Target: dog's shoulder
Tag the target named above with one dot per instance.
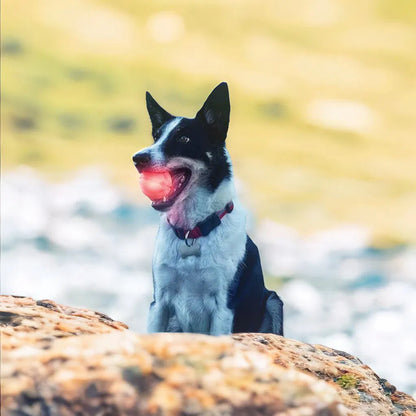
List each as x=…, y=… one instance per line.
x=247, y=292
x=249, y=273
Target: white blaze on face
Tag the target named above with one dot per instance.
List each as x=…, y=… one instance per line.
x=156, y=148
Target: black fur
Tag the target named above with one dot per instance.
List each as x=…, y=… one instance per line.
x=206, y=133
x=158, y=116
x=215, y=113
x=256, y=309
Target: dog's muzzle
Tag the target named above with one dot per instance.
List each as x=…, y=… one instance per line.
x=142, y=160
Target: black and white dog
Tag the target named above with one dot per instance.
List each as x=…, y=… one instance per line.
x=207, y=275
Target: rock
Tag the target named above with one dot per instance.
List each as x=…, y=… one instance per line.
x=59, y=360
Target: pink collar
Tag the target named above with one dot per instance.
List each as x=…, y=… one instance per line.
x=203, y=228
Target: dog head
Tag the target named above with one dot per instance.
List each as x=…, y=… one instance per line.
x=187, y=154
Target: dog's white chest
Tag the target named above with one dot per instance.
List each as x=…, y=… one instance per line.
x=190, y=249
x=194, y=281
x=202, y=268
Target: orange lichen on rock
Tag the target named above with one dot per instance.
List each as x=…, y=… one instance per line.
x=66, y=361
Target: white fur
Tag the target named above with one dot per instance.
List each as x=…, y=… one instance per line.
x=156, y=149
x=191, y=293
x=195, y=203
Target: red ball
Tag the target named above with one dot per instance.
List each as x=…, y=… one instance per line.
x=156, y=184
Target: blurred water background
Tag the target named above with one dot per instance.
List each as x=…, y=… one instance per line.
x=322, y=139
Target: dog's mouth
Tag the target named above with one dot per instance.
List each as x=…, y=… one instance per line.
x=163, y=186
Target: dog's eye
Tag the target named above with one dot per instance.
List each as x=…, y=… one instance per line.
x=183, y=139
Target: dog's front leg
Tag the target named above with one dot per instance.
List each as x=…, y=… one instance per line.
x=158, y=317
x=221, y=322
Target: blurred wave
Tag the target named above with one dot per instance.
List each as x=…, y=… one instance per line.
x=84, y=242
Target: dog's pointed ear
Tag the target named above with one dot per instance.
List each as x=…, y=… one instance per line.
x=158, y=116
x=216, y=112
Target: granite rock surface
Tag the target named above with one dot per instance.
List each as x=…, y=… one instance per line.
x=59, y=360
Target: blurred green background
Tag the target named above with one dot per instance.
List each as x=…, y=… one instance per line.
x=323, y=97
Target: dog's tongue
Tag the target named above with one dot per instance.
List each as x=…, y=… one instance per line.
x=156, y=184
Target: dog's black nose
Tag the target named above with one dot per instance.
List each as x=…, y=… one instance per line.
x=141, y=159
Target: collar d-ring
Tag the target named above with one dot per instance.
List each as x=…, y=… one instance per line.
x=186, y=239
